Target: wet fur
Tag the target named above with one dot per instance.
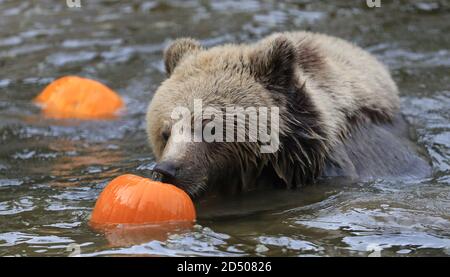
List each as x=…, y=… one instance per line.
x=338, y=107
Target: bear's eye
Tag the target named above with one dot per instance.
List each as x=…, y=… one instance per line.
x=205, y=122
x=165, y=136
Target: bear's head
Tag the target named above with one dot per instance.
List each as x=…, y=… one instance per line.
x=201, y=85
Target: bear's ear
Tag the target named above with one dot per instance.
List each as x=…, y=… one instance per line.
x=273, y=63
x=177, y=50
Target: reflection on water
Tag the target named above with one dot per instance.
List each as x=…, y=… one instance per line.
x=51, y=172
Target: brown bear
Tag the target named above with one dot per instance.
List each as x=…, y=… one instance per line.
x=338, y=114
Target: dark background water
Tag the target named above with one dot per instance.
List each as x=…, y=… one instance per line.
x=51, y=172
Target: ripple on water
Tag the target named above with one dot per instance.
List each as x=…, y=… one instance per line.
x=410, y=241
x=37, y=81
x=32, y=154
x=4, y=83
x=123, y=54
x=16, y=10
x=431, y=116
x=40, y=32
x=198, y=243
x=76, y=194
x=373, y=220
x=9, y=182
x=16, y=206
x=15, y=238
x=386, y=227
x=23, y=50
x=289, y=243
x=61, y=59
x=65, y=225
x=78, y=43
x=236, y=6
x=401, y=58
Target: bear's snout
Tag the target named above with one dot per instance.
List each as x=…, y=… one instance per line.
x=187, y=176
x=168, y=170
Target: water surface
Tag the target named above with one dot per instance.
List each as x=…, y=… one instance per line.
x=51, y=172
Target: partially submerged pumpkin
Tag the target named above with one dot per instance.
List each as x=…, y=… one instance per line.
x=130, y=199
x=81, y=98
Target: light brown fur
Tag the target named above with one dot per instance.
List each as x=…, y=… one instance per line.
x=337, y=85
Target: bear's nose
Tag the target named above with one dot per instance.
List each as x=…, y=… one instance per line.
x=167, y=169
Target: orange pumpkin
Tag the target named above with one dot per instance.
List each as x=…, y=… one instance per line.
x=81, y=98
x=130, y=199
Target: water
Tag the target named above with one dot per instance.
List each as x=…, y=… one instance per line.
x=51, y=172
